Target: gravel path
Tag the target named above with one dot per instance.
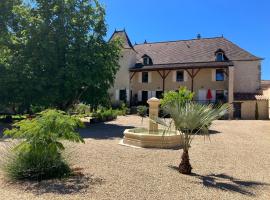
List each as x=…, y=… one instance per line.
x=234, y=165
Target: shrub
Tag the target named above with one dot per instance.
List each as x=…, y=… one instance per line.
x=181, y=96
x=142, y=111
x=104, y=114
x=81, y=109
x=39, y=154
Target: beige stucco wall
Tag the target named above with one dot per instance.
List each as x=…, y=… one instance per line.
x=247, y=76
x=248, y=109
x=203, y=80
x=127, y=60
x=266, y=93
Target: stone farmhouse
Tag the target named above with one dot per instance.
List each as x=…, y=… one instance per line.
x=215, y=69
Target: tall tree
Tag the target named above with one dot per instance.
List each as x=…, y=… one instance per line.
x=61, y=54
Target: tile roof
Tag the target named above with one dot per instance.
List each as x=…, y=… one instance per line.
x=265, y=83
x=123, y=35
x=190, y=51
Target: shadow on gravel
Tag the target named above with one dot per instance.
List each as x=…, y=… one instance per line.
x=229, y=183
x=103, y=131
x=72, y=185
x=226, y=183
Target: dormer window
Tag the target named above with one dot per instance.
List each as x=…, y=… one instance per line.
x=147, y=60
x=220, y=55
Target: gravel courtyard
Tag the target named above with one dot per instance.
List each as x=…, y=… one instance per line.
x=235, y=164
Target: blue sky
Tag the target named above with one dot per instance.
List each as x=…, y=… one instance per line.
x=244, y=22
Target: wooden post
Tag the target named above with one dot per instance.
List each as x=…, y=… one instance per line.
x=163, y=76
x=192, y=75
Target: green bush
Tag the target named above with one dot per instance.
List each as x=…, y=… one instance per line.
x=81, y=109
x=39, y=154
x=181, y=96
x=142, y=111
x=103, y=114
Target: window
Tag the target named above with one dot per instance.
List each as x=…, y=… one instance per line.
x=146, y=61
x=179, y=76
x=220, y=75
x=219, y=56
x=145, y=77
x=220, y=96
x=122, y=95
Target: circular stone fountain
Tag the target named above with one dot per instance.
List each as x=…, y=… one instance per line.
x=153, y=137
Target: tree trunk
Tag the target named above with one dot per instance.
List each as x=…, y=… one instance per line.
x=184, y=166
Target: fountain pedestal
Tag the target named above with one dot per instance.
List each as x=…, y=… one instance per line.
x=153, y=114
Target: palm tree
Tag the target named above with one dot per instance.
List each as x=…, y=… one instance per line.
x=190, y=119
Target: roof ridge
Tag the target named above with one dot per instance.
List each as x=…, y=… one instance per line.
x=179, y=40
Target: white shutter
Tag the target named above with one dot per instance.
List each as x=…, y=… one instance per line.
x=117, y=95
x=174, y=76
x=202, y=95
x=149, y=94
x=153, y=94
x=213, y=95
x=139, y=95
x=128, y=93
x=185, y=75
x=140, y=77
x=149, y=77
x=213, y=74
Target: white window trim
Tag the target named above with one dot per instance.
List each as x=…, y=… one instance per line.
x=149, y=77
x=117, y=93
x=139, y=95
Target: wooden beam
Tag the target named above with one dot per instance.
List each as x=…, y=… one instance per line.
x=167, y=74
x=189, y=73
x=159, y=73
x=132, y=75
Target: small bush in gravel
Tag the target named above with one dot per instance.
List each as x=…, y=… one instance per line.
x=104, y=114
x=142, y=111
x=39, y=152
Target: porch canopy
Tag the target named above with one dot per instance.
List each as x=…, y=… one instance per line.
x=192, y=69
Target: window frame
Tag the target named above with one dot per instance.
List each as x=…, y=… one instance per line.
x=120, y=94
x=147, y=59
x=222, y=56
x=143, y=77
x=223, y=74
x=176, y=78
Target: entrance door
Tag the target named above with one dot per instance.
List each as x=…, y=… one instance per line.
x=144, y=97
x=159, y=94
x=237, y=110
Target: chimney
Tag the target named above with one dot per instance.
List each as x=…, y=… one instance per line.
x=199, y=36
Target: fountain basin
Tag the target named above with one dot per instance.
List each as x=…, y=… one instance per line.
x=140, y=137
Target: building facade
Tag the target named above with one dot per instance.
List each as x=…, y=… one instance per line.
x=215, y=69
